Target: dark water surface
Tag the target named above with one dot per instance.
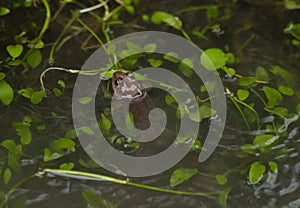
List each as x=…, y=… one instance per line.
x=261, y=23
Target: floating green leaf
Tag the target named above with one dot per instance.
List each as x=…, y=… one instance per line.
x=154, y=62
x=159, y=17
x=150, y=48
x=23, y=129
x=4, y=11
x=229, y=71
x=14, y=50
x=256, y=172
x=134, y=48
x=37, y=97
x=34, y=58
x=169, y=99
x=280, y=111
x=67, y=166
x=262, y=74
x=212, y=11
x=221, y=179
x=286, y=90
x=105, y=122
x=274, y=97
x=249, y=148
x=6, y=92
x=14, y=154
x=213, y=58
x=186, y=67
x=26, y=92
x=62, y=144
x=182, y=174
x=172, y=57
x=85, y=100
x=87, y=130
x=242, y=94
x=7, y=176
x=265, y=140
x=273, y=166
x=61, y=83
x=289, y=79
x=247, y=81
x=57, y=92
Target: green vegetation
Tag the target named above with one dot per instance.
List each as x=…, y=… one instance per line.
x=266, y=98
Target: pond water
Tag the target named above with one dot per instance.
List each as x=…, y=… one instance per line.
x=253, y=33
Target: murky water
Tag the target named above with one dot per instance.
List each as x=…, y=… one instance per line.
x=257, y=24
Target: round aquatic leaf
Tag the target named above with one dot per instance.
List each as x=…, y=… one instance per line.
x=242, y=94
x=14, y=50
x=154, y=62
x=85, y=100
x=247, y=81
x=286, y=90
x=150, y=48
x=273, y=166
x=6, y=92
x=87, y=130
x=213, y=58
x=7, y=175
x=57, y=92
x=229, y=71
x=221, y=179
x=212, y=11
x=265, y=140
x=169, y=99
x=4, y=11
x=34, y=58
x=37, y=97
x=280, y=111
x=182, y=174
x=274, y=97
x=262, y=74
x=63, y=144
x=61, y=83
x=159, y=17
x=256, y=172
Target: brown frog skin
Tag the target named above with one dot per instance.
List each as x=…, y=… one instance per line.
x=125, y=86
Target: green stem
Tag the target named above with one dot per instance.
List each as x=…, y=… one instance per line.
x=91, y=31
x=124, y=182
x=233, y=99
x=61, y=35
x=47, y=20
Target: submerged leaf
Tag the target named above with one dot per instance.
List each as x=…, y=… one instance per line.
x=182, y=174
x=274, y=97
